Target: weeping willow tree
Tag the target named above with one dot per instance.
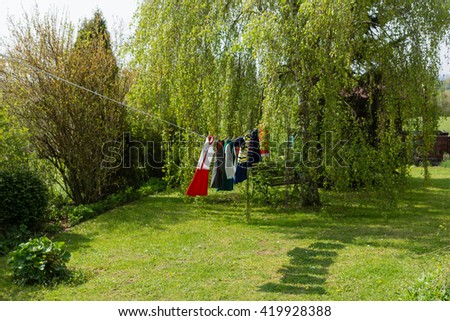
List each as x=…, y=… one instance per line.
x=391, y=97
x=193, y=73
x=363, y=73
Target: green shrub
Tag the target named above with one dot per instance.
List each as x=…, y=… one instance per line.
x=446, y=164
x=12, y=238
x=80, y=213
x=153, y=186
x=429, y=287
x=24, y=199
x=40, y=261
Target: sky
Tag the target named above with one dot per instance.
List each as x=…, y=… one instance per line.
x=118, y=13
x=445, y=61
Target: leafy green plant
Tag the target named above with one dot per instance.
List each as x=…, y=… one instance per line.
x=80, y=213
x=24, y=199
x=433, y=286
x=112, y=201
x=153, y=186
x=40, y=261
x=446, y=161
x=13, y=237
x=14, y=142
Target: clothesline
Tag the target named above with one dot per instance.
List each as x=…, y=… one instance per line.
x=232, y=160
x=208, y=151
x=99, y=95
x=224, y=182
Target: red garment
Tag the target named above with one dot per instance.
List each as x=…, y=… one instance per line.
x=264, y=141
x=199, y=183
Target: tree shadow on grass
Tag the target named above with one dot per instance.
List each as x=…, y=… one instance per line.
x=155, y=212
x=418, y=223
x=307, y=271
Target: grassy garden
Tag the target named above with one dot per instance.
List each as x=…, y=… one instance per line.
x=97, y=143
x=167, y=247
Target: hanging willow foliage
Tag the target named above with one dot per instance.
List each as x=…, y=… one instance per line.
x=193, y=72
x=364, y=74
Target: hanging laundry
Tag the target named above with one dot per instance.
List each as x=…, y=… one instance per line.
x=230, y=159
x=222, y=176
x=241, y=167
x=218, y=173
x=254, y=153
x=264, y=141
x=230, y=167
x=237, y=148
x=243, y=149
x=199, y=183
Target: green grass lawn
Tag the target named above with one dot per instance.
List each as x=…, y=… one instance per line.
x=167, y=247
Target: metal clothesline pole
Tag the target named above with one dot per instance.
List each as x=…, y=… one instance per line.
x=247, y=191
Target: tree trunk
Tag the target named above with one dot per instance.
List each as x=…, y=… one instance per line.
x=309, y=187
x=287, y=165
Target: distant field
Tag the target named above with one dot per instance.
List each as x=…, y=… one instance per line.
x=445, y=124
x=445, y=101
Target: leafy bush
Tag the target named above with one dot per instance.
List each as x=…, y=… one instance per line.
x=14, y=141
x=153, y=186
x=79, y=214
x=40, y=261
x=429, y=287
x=12, y=238
x=24, y=199
x=446, y=164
